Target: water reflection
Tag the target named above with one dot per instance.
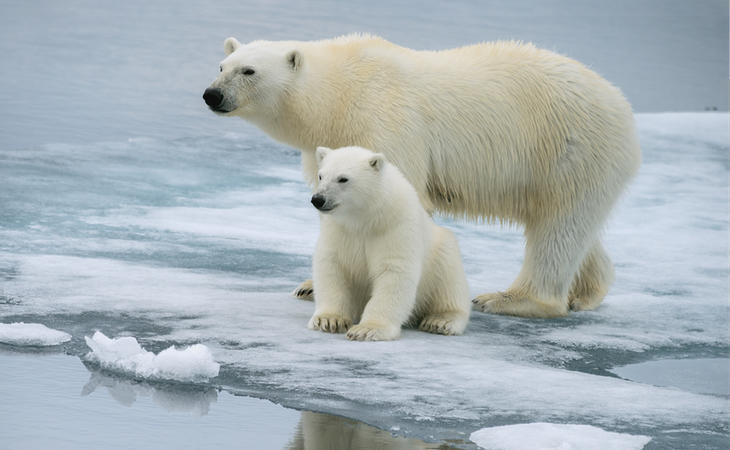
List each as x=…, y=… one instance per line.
x=324, y=431
x=196, y=400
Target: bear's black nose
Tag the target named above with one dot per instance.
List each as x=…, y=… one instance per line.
x=318, y=200
x=213, y=97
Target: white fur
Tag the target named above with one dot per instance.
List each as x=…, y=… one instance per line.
x=380, y=259
x=495, y=131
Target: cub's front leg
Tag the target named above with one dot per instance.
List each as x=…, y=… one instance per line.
x=332, y=310
x=393, y=298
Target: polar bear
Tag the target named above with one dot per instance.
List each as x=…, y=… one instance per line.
x=380, y=259
x=499, y=131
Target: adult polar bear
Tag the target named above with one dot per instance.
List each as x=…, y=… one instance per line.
x=495, y=131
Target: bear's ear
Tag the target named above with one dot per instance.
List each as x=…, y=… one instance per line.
x=230, y=45
x=376, y=161
x=294, y=59
x=321, y=153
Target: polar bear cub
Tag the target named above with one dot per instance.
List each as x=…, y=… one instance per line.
x=380, y=260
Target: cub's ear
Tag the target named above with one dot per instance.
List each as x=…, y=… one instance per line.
x=376, y=161
x=321, y=153
x=230, y=45
x=294, y=59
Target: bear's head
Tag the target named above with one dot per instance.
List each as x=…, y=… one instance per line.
x=349, y=181
x=252, y=77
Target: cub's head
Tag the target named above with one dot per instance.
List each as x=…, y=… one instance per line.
x=349, y=181
x=252, y=77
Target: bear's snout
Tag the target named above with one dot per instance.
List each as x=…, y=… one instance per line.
x=213, y=97
x=318, y=201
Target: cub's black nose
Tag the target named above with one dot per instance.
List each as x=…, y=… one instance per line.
x=318, y=200
x=213, y=97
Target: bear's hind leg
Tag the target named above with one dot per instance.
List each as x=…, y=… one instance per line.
x=553, y=253
x=592, y=281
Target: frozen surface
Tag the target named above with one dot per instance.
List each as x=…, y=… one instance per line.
x=555, y=436
x=200, y=240
x=124, y=354
x=31, y=334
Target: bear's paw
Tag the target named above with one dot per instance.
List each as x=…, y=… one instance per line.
x=513, y=304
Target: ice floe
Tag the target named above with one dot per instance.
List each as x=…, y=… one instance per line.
x=555, y=436
x=194, y=363
x=31, y=334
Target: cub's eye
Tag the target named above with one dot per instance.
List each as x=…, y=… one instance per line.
x=320, y=177
x=249, y=71
x=221, y=68
x=342, y=180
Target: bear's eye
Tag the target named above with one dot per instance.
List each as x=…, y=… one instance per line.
x=342, y=180
x=221, y=68
x=320, y=178
x=248, y=71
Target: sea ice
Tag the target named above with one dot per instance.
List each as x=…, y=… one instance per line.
x=194, y=363
x=540, y=435
x=31, y=334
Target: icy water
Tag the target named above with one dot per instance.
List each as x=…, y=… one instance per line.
x=127, y=207
x=78, y=406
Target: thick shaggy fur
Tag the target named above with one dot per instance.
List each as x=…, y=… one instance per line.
x=380, y=258
x=495, y=131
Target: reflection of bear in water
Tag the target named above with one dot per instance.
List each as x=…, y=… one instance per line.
x=496, y=131
x=380, y=259
x=318, y=431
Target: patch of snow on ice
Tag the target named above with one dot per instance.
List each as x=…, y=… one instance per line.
x=31, y=334
x=126, y=355
x=540, y=435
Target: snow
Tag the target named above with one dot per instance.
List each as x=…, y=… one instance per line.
x=546, y=436
x=193, y=363
x=31, y=334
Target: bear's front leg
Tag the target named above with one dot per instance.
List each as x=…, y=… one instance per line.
x=391, y=303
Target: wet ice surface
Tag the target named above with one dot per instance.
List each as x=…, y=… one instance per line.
x=200, y=240
x=547, y=436
x=31, y=334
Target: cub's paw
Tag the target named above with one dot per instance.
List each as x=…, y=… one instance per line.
x=304, y=291
x=448, y=323
x=373, y=332
x=330, y=323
